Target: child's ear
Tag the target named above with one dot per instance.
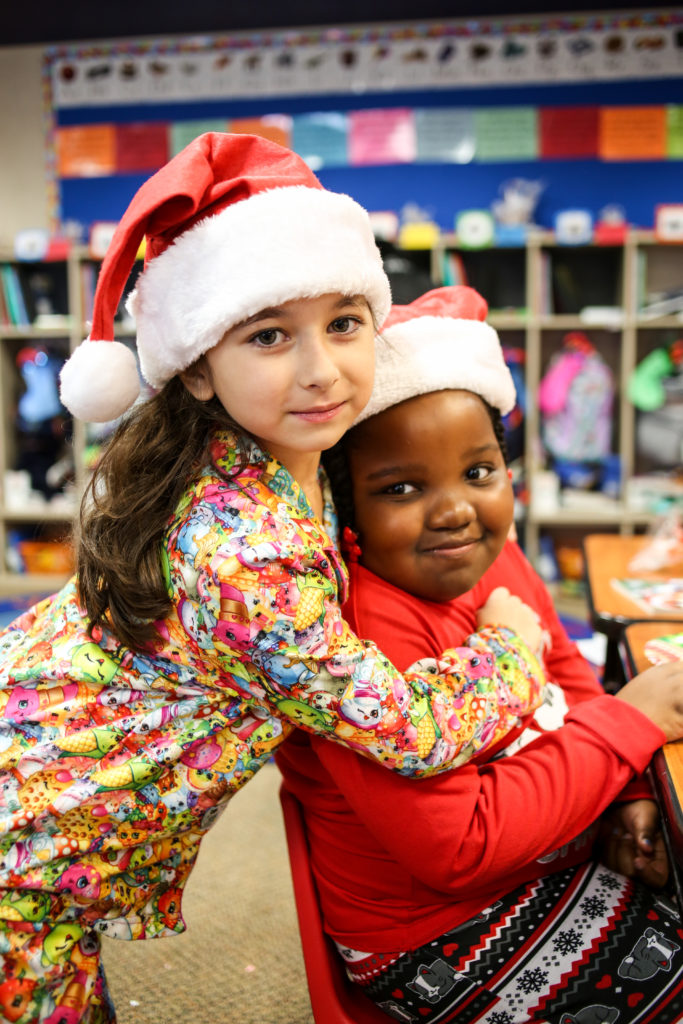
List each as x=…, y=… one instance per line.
x=197, y=380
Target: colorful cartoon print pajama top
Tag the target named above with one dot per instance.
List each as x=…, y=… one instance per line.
x=114, y=763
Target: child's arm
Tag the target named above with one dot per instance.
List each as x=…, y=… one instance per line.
x=564, y=663
x=272, y=614
x=468, y=831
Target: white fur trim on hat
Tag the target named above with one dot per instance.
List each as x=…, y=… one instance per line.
x=433, y=353
x=99, y=381
x=286, y=243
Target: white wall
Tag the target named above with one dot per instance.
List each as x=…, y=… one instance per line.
x=23, y=179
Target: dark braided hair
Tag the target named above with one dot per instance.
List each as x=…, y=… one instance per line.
x=336, y=463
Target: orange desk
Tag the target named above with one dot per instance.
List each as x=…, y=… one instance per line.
x=607, y=557
x=667, y=764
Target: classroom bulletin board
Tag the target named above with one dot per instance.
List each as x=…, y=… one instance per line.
x=432, y=114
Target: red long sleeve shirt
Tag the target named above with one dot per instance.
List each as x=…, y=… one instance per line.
x=397, y=861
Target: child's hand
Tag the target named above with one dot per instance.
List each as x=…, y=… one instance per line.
x=658, y=693
x=632, y=843
x=505, y=609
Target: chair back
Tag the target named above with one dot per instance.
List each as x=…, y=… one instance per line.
x=334, y=999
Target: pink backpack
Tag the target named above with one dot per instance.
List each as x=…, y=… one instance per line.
x=575, y=399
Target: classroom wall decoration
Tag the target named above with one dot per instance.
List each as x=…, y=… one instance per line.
x=531, y=95
x=376, y=58
x=387, y=135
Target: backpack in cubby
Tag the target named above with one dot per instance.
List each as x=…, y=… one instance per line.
x=575, y=400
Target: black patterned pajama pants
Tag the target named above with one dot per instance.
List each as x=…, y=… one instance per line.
x=584, y=946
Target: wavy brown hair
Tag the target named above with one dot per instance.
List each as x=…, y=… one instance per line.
x=145, y=467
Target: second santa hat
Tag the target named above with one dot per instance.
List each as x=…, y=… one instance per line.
x=440, y=342
x=234, y=224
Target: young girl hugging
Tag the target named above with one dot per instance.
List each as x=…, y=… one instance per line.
x=204, y=621
x=481, y=894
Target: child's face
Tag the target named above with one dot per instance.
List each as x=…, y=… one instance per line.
x=294, y=377
x=433, y=500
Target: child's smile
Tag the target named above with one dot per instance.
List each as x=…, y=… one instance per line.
x=433, y=502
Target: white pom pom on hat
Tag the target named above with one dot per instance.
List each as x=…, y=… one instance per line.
x=97, y=363
x=439, y=342
x=234, y=224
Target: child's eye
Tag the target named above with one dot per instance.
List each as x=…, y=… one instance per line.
x=344, y=324
x=400, y=488
x=267, y=338
x=479, y=473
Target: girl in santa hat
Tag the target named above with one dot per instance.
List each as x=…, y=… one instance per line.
x=479, y=894
x=204, y=620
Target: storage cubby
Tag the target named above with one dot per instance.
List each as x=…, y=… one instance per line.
x=498, y=274
x=576, y=278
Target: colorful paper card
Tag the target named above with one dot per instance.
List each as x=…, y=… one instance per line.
x=506, y=133
x=321, y=139
x=445, y=136
x=86, y=151
x=567, y=132
x=652, y=596
x=632, y=133
x=674, y=132
x=141, y=147
x=275, y=127
x=382, y=136
x=664, y=648
x=183, y=132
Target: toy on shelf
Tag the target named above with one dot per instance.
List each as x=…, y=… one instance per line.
x=42, y=424
x=573, y=227
x=647, y=384
x=656, y=390
x=611, y=226
x=514, y=212
x=417, y=228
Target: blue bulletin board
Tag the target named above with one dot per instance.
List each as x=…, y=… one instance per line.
x=604, y=126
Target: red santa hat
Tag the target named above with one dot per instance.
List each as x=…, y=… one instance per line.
x=234, y=224
x=438, y=342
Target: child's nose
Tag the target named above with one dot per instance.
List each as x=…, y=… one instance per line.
x=318, y=368
x=451, y=510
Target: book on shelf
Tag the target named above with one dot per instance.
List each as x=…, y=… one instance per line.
x=30, y=291
x=14, y=296
x=656, y=597
x=664, y=648
x=544, y=283
x=5, y=319
x=88, y=282
x=453, y=269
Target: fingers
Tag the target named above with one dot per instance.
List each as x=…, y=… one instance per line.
x=641, y=819
x=620, y=852
x=654, y=870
